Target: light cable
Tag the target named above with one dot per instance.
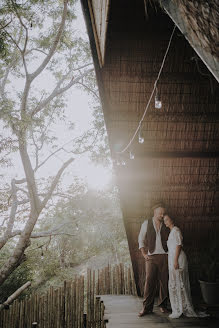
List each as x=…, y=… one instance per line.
x=152, y=93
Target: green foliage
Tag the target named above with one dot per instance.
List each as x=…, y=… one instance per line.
x=92, y=220
x=18, y=278
x=101, y=151
x=93, y=229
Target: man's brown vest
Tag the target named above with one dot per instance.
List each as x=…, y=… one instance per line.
x=150, y=238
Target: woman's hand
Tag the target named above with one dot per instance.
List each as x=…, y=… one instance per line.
x=147, y=258
x=176, y=265
x=178, y=250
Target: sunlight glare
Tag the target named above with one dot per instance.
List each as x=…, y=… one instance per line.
x=98, y=177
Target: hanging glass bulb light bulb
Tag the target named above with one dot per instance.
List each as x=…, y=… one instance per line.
x=158, y=103
x=140, y=137
x=123, y=162
x=131, y=155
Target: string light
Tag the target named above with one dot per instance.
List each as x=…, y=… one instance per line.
x=158, y=103
x=120, y=162
x=140, y=137
x=131, y=155
x=149, y=101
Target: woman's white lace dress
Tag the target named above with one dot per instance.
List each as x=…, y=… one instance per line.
x=179, y=286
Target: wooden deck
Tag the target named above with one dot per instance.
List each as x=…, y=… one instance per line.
x=121, y=311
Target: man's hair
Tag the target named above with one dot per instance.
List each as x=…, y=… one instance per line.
x=158, y=204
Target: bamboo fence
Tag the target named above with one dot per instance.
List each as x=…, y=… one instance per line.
x=75, y=305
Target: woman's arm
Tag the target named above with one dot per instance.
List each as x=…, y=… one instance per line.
x=178, y=250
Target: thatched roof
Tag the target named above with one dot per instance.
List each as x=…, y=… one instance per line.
x=179, y=160
x=202, y=16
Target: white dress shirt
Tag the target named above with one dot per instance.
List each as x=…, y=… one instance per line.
x=158, y=244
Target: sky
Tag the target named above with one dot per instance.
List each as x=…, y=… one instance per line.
x=79, y=111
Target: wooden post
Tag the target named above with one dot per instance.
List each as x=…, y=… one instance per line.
x=98, y=313
x=63, y=305
x=82, y=302
x=98, y=283
x=91, y=300
x=56, y=313
x=88, y=298
x=101, y=314
x=118, y=280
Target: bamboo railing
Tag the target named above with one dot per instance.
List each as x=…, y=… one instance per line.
x=75, y=305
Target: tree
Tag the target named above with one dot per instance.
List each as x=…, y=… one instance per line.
x=98, y=235
x=40, y=42
x=19, y=277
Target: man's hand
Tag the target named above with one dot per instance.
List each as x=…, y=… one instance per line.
x=144, y=254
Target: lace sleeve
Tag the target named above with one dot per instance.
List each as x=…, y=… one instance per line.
x=178, y=237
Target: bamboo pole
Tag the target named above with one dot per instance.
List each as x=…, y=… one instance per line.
x=82, y=302
x=88, y=298
x=101, y=314
x=67, y=307
x=74, y=303
x=64, y=305
x=92, y=299
x=77, y=302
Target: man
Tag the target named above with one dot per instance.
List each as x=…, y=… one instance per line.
x=153, y=245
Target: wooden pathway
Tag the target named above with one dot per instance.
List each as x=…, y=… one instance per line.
x=121, y=311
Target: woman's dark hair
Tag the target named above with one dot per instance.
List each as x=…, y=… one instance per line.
x=167, y=214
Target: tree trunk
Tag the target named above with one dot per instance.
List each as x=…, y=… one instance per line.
x=17, y=256
x=15, y=295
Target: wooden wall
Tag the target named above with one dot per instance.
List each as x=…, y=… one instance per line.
x=179, y=160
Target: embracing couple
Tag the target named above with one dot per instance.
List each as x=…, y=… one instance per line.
x=160, y=242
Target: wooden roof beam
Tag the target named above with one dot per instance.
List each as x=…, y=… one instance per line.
x=179, y=154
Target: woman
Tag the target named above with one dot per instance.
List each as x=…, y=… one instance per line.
x=179, y=286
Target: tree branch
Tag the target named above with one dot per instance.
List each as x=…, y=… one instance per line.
x=14, y=295
x=62, y=148
x=24, y=201
x=90, y=90
x=21, y=181
x=30, y=178
x=4, y=26
x=23, y=190
x=55, y=181
x=36, y=49
x=10, y=223
x=78, y=68
x=32, y=76
x=26, y=37
x=55, y=43
x=12, y=39
x=58, y=91
x=52, y=232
